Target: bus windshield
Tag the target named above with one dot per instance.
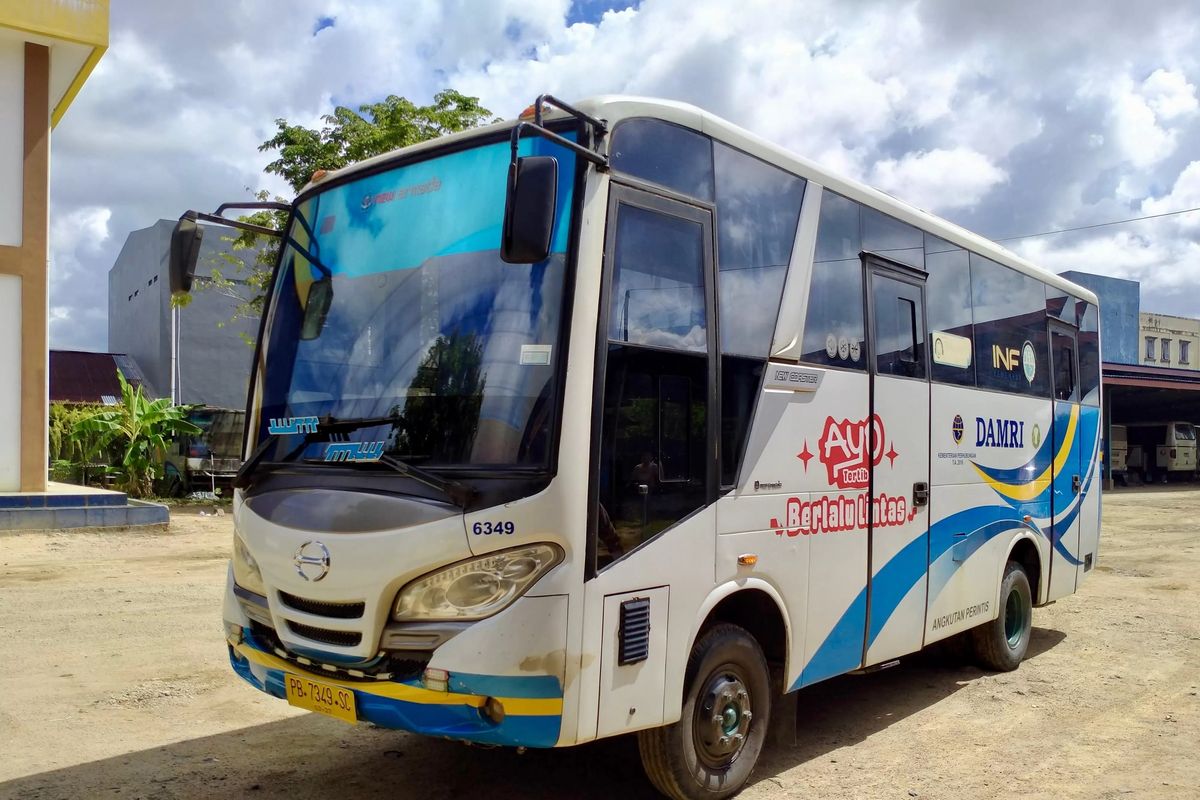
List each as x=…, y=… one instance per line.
x=393, y=308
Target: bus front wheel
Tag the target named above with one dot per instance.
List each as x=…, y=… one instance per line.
x=712, y=750
x=1001, y=644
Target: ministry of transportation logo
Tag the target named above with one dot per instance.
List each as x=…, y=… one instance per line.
x=1036, y=435
x=956, y=428
x=1028, y=361
x=312, y=560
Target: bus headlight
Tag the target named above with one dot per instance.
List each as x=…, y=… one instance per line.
x=477, y=588
x=246, y=573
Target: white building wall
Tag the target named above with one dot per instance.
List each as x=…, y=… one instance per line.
x=12, y=112
x=10, y=389
x=1182, y=338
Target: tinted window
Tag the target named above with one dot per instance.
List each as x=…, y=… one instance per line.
x=658, y=281
x=758, y=207
x=892, y=238
x=1060, y=305
x=653, y=469
x=833, y=330
x=1010, y=329
x=666, y=154
x=1062, y=355
x=899, y=324
x=1089, y=355
x=948, y=302
x=740, y=380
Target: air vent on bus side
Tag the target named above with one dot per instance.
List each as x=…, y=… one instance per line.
x=634, y=634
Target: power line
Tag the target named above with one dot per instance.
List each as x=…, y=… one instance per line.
x=1099, y=224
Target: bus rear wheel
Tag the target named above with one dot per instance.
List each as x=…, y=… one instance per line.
x=1002, y=643
x=710, y=753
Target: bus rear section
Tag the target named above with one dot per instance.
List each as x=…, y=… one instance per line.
x=738, y=427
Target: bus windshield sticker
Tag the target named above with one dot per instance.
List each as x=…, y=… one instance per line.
x=292, y=425
x=536, y=355
x=354, y=451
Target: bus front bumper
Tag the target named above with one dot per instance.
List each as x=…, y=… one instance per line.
x=532, y=708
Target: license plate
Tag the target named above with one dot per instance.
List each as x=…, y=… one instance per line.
x=320, y=697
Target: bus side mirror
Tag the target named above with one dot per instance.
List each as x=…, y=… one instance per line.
x=529, y=209
x=185, y=250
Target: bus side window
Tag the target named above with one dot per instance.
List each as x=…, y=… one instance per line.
x=947, y=302
x=1011, y=348
x=1089, y=355
x=834, y=331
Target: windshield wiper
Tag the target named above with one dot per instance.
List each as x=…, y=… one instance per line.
x=459, y=494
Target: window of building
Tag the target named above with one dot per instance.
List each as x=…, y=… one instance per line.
x=1150, y=349
x=1166, y=351
x=1184, y=346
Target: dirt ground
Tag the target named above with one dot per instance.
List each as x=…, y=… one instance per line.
x=117, y=685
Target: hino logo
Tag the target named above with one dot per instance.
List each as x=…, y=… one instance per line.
x=312, y=561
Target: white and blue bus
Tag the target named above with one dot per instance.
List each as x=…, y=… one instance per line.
x=620, y=419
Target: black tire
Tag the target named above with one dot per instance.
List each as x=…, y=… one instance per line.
x=700, y=757
x=1001, y=644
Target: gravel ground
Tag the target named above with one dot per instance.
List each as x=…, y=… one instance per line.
x=118, y=686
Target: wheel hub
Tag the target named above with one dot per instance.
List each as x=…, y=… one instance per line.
x=1014, y=618
x=723, y=716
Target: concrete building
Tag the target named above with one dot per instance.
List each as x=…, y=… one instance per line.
x=1170, y=341
x=214, y=357
x=47, y=50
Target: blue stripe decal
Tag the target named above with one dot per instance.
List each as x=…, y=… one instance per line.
x=895, y=580
x=527, y=686
x=842, y=649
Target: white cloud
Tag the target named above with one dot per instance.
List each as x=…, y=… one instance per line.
x=1169, y=94
x=939, y=180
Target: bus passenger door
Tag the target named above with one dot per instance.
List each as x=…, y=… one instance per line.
x=654, y=470
x=899, y=532
x=1067, y=465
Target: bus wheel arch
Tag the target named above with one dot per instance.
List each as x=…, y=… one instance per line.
x=1024, y=551
x=756, y=607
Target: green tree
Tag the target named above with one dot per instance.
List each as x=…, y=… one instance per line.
x=139, y=429
x=346, y=137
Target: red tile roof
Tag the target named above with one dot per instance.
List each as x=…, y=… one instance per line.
x=82, y=377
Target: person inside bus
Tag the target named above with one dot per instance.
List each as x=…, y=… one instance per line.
x=646, y=473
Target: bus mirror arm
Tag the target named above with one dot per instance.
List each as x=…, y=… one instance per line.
x=188, y=235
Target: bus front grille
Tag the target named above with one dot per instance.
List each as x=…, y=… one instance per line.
x=324, y=635
x=323, y=608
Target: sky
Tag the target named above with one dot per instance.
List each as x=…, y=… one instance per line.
x=1007, y=118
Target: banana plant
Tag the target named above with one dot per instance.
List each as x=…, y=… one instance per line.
x=139, y=428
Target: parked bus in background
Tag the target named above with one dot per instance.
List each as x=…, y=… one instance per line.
x=209, y=461
x=1162, y=451
x=620, y=419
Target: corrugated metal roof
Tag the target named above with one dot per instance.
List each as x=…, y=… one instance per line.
x=82, y=377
